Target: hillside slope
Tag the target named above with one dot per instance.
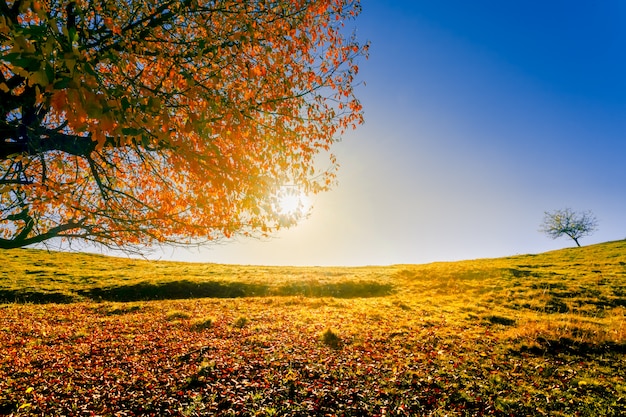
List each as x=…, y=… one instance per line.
x=525, y=335
x=597, y=271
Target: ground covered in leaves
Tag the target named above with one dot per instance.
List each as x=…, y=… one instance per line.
x=287, y=356
x=529, y=335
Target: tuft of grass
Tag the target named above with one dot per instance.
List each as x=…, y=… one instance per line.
x=505, y=321
x=174, y=315
x=240, y=322
x=331, y=339
x=80, y=334
x=202, y=324
x=119, y=308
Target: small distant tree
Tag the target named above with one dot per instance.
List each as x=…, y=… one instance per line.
x=569, y=223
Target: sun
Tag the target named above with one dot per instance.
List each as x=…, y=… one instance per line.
x=293, y=203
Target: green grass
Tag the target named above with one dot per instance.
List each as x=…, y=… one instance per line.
x=39, y=277
x=540, y=334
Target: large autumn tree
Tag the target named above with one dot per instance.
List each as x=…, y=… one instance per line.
x=136, y=122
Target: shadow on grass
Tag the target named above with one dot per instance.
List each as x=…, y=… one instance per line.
x=145, y=291
x=36, y=297
x=565, y=345
x=173, y=290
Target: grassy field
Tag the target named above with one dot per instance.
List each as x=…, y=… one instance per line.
x=529, y=335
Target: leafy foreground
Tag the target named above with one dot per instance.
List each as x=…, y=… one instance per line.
x=526, y=335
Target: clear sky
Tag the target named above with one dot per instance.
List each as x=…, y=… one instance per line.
x=480, y=115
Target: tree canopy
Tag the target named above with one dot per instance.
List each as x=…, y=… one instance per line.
x=136, y=122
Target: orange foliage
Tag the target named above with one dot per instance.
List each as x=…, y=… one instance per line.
x=140, y=122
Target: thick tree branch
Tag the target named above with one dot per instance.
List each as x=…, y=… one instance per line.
x=21, y=240
x=46, y=140
x=29, y=223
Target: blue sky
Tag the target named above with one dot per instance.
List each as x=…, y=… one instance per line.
x=479, y=116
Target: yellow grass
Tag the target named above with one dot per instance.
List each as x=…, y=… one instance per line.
x=522, y=335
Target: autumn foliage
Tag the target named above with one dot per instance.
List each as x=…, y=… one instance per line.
x=130, y=123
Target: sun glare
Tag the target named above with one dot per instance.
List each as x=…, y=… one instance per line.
x=293, y=203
